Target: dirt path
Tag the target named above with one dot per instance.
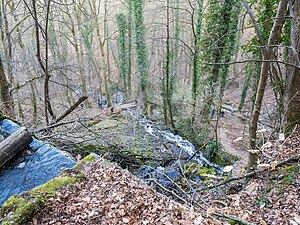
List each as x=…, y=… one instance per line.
x=231, y=128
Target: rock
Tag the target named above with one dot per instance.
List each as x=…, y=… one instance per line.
x=106, y=124
x=21, y=165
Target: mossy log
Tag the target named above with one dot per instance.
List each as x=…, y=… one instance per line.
x=13, y=144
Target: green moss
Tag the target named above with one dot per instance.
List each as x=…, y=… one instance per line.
x=50, y=188
x=192, y=169
x=22, y=210
x=289, y=168
x=88, y=159
x=90, y=148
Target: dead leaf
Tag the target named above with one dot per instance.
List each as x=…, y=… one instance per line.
x=211, y=210
x=226, y=210
x=198, y=220
x=227, y=169
x=34, y=221
x=252, y=186
x=281, y=137
x=125, y=220
x=293, y=222
x=263, y=166
x=262, y=222
x=245, y=216
x=296, y=218
x=274, y=164
x=261, y=131
x=253, y=151
x=241, y=172
x=267, y=145
x=238, y=139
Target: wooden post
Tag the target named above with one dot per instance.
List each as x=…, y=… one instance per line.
x=13, y=144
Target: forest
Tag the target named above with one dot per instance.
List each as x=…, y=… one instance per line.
x=199, y=99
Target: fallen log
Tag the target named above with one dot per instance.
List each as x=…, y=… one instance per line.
x=13, y=144
x=71, y=109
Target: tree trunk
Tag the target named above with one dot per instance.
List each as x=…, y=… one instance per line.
x=13, y=144
x=129, y=49
x=293, y=106
x=6, y=98
x=44, y=67
x=264, y=74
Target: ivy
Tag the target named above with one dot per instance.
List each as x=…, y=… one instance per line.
x=122, y=49
x=141, y=48
x=219, y=42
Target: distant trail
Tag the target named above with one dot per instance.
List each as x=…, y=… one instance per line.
x=231, y=128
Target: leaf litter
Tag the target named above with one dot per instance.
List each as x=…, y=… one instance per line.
x=112, y=195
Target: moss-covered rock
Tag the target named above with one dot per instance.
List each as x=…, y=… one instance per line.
x=87, y=149
x=86, y=161
x=105, y=124
x=18, y=209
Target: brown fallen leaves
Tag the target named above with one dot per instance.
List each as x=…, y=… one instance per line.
x=273, y=197
x=290, y=147
x=113, y=196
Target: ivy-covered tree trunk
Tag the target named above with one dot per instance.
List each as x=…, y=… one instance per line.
x=141, y=50
x=221, y=33
x=122, y=50
x=6, y=80
x=293, y=106
x=129, y=50
x=6, y=98
x=196, y=61
x=168, y=79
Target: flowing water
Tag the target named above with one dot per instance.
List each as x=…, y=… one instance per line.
x=40, y=164
x=181, y=149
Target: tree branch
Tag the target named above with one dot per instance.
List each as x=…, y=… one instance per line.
x=71, y=109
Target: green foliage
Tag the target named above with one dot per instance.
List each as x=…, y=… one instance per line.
x=123, y=48
x=220, y=36
x=141, y=47
x=212, y=148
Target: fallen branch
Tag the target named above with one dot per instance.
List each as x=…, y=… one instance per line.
x=71, y=109
x=251, y=174
x=199, y=150
x=236, y=219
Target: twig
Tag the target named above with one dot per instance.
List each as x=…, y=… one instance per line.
x=199, y=150
x=251, y=174
x=237, y=219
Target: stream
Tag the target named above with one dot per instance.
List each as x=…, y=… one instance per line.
x=35, y=166
x=182, y=149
